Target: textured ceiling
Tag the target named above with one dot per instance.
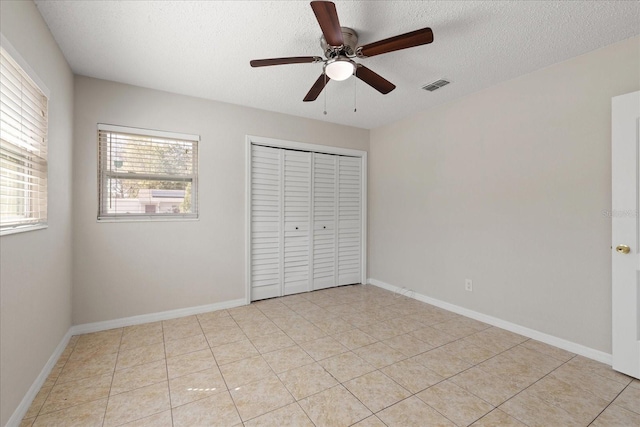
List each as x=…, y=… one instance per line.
x=203, y=48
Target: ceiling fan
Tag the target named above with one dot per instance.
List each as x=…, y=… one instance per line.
x=339, y=45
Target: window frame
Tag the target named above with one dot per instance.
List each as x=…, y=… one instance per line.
x=146, y=217
x=27, y=225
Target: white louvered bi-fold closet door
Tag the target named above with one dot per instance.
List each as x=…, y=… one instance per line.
x=325, y=194
x=266, y=222
x=306, y=221
x=297, y=219
x=349, y=220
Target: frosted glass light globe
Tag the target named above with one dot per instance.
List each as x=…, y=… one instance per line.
x=339, y=69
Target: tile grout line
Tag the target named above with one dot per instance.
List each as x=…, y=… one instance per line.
x=148, y=385
x=133, y=367
x=611, y=403
x=70, y=381
x=296, y=344
x=242, y=421
x=113, y=374
x=532, y=384
x=219, y=370
x=588, y=391
x=55, y=382
x=166, y=367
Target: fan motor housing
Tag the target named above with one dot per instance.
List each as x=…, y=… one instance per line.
x=350, y=37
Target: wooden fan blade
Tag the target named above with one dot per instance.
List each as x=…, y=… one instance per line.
x=282, y=61
x=374, y=80
x=403, y=41
x=316, y=89
x=327, y=17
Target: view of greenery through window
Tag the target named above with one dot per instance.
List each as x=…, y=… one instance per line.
x=146, y=175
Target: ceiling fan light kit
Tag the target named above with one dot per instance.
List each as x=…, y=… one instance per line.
x=340, y=68
x=339, y=47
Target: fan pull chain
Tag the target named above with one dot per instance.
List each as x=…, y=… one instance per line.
x=325, y=93
x=355, y=93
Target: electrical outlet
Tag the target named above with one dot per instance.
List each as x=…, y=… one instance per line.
x=468, y=285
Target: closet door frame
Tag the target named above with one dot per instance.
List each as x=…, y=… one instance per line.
x=316, y=148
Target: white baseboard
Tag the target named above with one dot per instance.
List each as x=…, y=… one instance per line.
x=570, y=346
x=154, y=317
x=24, y=405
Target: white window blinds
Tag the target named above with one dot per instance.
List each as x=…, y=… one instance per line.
x=23, y=149
x=145, y=174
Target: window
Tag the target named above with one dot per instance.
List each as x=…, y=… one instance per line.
x=23, y=146
x=146, y=174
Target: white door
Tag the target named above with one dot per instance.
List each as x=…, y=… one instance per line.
x=349, y=220
x=325, y=167
x=626, y=234
x=297, y=221
x=305, y=221
x=266, y=227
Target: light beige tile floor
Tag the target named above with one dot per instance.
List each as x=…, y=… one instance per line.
x=353, y=355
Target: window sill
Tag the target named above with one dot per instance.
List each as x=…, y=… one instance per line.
x=22, y=229
x=147, y=219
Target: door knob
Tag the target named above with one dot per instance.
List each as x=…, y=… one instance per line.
x=623, y=249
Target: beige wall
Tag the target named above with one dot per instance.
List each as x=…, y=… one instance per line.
x=127, y=269
x=507, y=187
x=35, y=302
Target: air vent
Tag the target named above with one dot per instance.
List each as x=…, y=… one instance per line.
x=435, y=85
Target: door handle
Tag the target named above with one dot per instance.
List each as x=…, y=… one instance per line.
x=623, y=249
